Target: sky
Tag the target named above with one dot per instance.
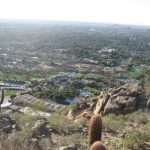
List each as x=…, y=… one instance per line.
x=105, y=11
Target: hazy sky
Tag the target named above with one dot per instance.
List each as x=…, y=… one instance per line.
x=113, y=11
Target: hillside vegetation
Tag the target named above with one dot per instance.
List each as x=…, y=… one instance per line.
x=56, y=75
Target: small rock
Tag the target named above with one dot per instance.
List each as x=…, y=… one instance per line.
x=85, y=130
x=123, y=135
x=14, y=126
x=70, y=115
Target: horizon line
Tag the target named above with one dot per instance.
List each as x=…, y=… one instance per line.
x=69, y=21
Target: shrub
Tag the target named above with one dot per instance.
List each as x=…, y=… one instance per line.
x=135, y=140
x=22, y=119
x=93, y=90
x=25, y=134
x=65, y=110
x=59, y=123
x=146, y=128
x=39, y=106
x=78, y=139
x=13, y=142
x=114, y=122
x=38, y=94
x=138, y=117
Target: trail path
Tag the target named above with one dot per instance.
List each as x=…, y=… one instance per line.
x=5, y=103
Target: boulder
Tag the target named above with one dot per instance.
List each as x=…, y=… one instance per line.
x=129, y=110
x=102, y=103
x=121, y=100
x=6, y=123
x=82, y=105
x=112, y=107
x=126, y=101
x=29, y=100
x=40, y=129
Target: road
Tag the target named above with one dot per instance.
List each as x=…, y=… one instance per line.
x=5, y=103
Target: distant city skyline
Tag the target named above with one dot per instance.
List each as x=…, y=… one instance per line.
x=101, y=11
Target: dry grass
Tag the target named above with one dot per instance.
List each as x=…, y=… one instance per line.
x=136, y=126
x=74, y=139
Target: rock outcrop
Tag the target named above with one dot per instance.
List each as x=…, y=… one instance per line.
x=82, y=105
x=120, y=101
x=39, y=129
x=7, y=124
x=28, y=100
x=32, y=112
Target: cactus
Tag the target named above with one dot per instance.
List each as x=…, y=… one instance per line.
x=95, y=133
x=2, y=99
x=97, y=146
x=95, y=129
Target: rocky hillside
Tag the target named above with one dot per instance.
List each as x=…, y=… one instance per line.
x=34, y=124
